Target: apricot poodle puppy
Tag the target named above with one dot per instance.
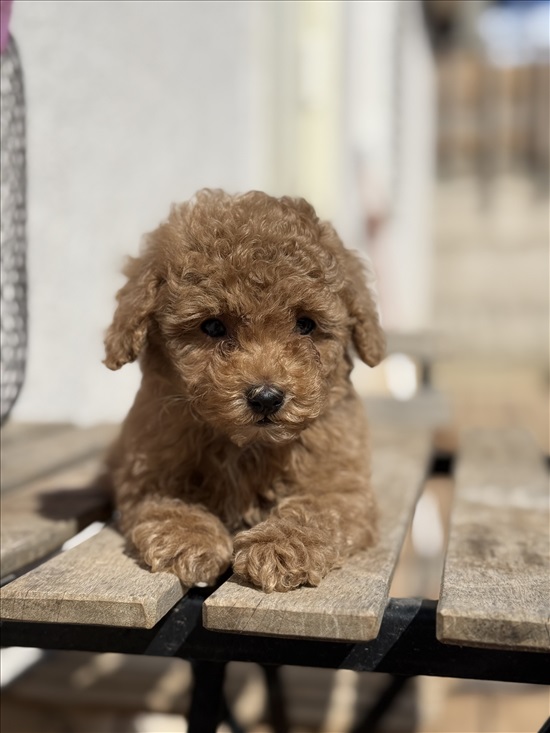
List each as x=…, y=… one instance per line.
x=246, y=441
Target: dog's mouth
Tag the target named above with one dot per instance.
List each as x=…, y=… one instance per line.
x=265, y=421
x=266, y=430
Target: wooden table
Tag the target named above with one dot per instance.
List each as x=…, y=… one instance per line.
x=491, y=620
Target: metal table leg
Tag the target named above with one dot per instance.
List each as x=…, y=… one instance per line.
x=207, y=705
x=369, y=724
x=275, y=699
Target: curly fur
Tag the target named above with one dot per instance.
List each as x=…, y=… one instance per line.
x=197, y=478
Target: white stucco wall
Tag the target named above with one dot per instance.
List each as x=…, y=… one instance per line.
x=135, y=104
x=131, y=105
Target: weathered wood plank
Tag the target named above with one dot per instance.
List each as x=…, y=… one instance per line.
x=496, y=580
x=422, y=345
x=428, y=409
x=40, y=453
x=39, y=518
x=97, y=582
x=349, y=603
x=15, y=432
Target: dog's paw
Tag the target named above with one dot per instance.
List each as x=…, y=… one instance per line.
x=278, y=557
x=197, y=555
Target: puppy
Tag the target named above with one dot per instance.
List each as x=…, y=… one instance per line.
x=246, y=441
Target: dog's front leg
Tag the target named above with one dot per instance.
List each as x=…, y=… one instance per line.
x=185, y=539
x=304, y=538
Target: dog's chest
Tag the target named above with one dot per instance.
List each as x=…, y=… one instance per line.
x=241, y=487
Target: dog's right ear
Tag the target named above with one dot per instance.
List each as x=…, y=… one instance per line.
x=126, y=335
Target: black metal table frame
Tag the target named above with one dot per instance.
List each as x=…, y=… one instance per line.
x=406, y=646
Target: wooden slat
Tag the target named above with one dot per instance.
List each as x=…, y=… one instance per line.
x=97, y=582
x=39, y=518
x=15, y=432
x=349, y=603
x=14, y=437
x=40, y=453
x=422, y=345
x=427, y=409
x=496, y=580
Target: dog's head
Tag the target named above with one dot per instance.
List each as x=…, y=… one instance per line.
x=250, y=304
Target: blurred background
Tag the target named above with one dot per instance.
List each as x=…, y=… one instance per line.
x=421, y=129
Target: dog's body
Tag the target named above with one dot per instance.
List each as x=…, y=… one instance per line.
x=242, y=310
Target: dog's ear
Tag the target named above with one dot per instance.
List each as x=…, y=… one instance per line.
x=366, y=331
x=126, y=335
x=367, y=334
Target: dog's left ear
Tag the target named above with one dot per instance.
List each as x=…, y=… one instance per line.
x=366, y=331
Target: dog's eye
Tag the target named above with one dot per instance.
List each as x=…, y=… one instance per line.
x=213, y=327
x=305, y=325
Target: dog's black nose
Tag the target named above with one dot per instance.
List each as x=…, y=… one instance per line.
x=265, y=399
